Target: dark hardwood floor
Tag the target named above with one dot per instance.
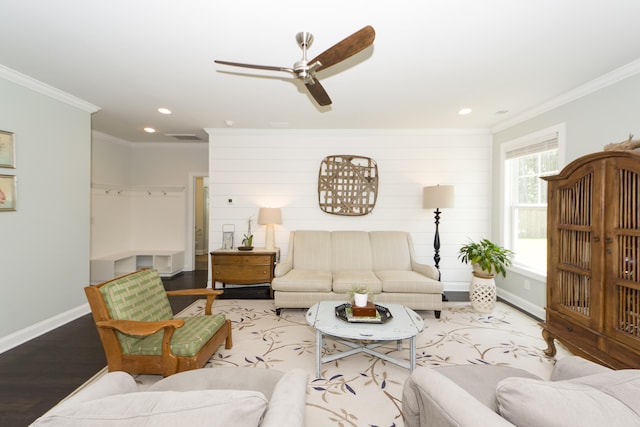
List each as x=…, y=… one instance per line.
x=36, y=375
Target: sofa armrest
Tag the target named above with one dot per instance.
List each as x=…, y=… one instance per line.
x=287, y=403
x=211, y=295
x=431, y=399
x=282, y=269
x=427, y=270
x=142, y=329
x=571, y=367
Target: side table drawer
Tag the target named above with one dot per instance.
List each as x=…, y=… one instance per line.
x=256, y=260
x=227, y=260
x=242, y=274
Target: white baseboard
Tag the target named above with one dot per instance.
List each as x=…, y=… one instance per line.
x=522, y=303
x=456, y=286
x=20, y=337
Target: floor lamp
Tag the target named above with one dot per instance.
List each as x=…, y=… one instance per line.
x=438, y=196
x=269, y=217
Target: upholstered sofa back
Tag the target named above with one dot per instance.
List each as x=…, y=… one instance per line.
x=351, y=250
x=311, y=250
x=140, y=296
x=392, y=250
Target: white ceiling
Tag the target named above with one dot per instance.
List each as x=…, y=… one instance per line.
x=430, y=58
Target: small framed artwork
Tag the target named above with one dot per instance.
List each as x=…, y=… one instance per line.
x=7, y=150
x=7, y=193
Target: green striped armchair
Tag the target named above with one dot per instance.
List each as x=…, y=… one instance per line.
x=139, y=332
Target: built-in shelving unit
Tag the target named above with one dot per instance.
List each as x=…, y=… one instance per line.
x=167, y=262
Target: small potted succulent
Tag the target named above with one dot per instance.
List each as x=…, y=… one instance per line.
x=359, y=294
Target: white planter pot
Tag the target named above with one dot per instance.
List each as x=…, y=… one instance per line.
x=483, y=293
x=360, y=300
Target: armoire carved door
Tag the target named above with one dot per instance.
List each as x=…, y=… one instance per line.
x=593, y=237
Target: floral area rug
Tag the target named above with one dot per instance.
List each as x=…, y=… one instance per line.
x=362, y=390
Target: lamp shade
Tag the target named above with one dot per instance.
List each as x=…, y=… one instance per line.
x=269, y=216
x=438, y=196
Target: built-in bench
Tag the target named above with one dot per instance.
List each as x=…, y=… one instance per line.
x=167, y=262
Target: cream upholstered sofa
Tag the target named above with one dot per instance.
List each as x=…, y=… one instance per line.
x=239, y=397
x=326, y=265
x=579, y=393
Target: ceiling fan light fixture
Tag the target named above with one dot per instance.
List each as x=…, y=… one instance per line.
x=305, y=70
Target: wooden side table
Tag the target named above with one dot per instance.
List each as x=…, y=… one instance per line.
x=231, y=266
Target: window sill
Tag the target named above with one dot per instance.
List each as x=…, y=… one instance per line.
x=540, y=276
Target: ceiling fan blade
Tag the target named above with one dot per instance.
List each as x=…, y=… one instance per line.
x=257, y=67
x=353, y=44
x=317, y=91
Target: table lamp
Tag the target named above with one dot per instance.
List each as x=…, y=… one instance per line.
x=269, y=217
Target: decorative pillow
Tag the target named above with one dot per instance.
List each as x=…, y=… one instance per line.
x=159, y=409
x=526, y=402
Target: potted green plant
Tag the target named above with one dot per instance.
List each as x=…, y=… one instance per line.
x=486, y=257
x=487, y=260
x=247, y=241
x=359, y=294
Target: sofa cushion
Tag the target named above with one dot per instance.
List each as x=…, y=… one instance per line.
x=312, y=250
x=402, y=281
x=350, y=250
x=344, y=281
x=390, y=250
x=526, y=402
x=139, y=296
x=169, y=408
x=304, y=281
x=186, y=341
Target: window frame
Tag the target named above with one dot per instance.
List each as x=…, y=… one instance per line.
x=506, y=231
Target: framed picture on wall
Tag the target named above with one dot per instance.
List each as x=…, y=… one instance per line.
x=7, y=150
x=7, y=193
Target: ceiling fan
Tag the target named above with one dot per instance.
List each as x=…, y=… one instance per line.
x=305, y=70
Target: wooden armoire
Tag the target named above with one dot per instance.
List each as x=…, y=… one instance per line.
x=593, y=277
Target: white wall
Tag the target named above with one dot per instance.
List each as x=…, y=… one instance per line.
x=279, y=168
x=607, y=115
x=44, y=250
x=141, y=193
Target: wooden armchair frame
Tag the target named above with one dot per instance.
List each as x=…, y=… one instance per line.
x=167, y=363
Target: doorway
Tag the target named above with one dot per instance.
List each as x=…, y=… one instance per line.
x=201, y=223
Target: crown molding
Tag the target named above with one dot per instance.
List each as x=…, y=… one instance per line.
x=43, y=88
x=608, y=79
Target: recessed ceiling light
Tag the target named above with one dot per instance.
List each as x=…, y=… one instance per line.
x=501, y=112
x=163, y=110
x=465, y=111
x=149, y=130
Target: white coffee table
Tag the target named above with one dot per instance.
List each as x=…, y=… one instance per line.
x=406, y=324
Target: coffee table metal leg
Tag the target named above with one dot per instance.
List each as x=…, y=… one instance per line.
x=318, y=352
x=412, y=353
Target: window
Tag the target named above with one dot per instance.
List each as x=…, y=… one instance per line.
x=524, y=162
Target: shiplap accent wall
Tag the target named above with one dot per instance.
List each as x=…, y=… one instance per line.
x=279, y=168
